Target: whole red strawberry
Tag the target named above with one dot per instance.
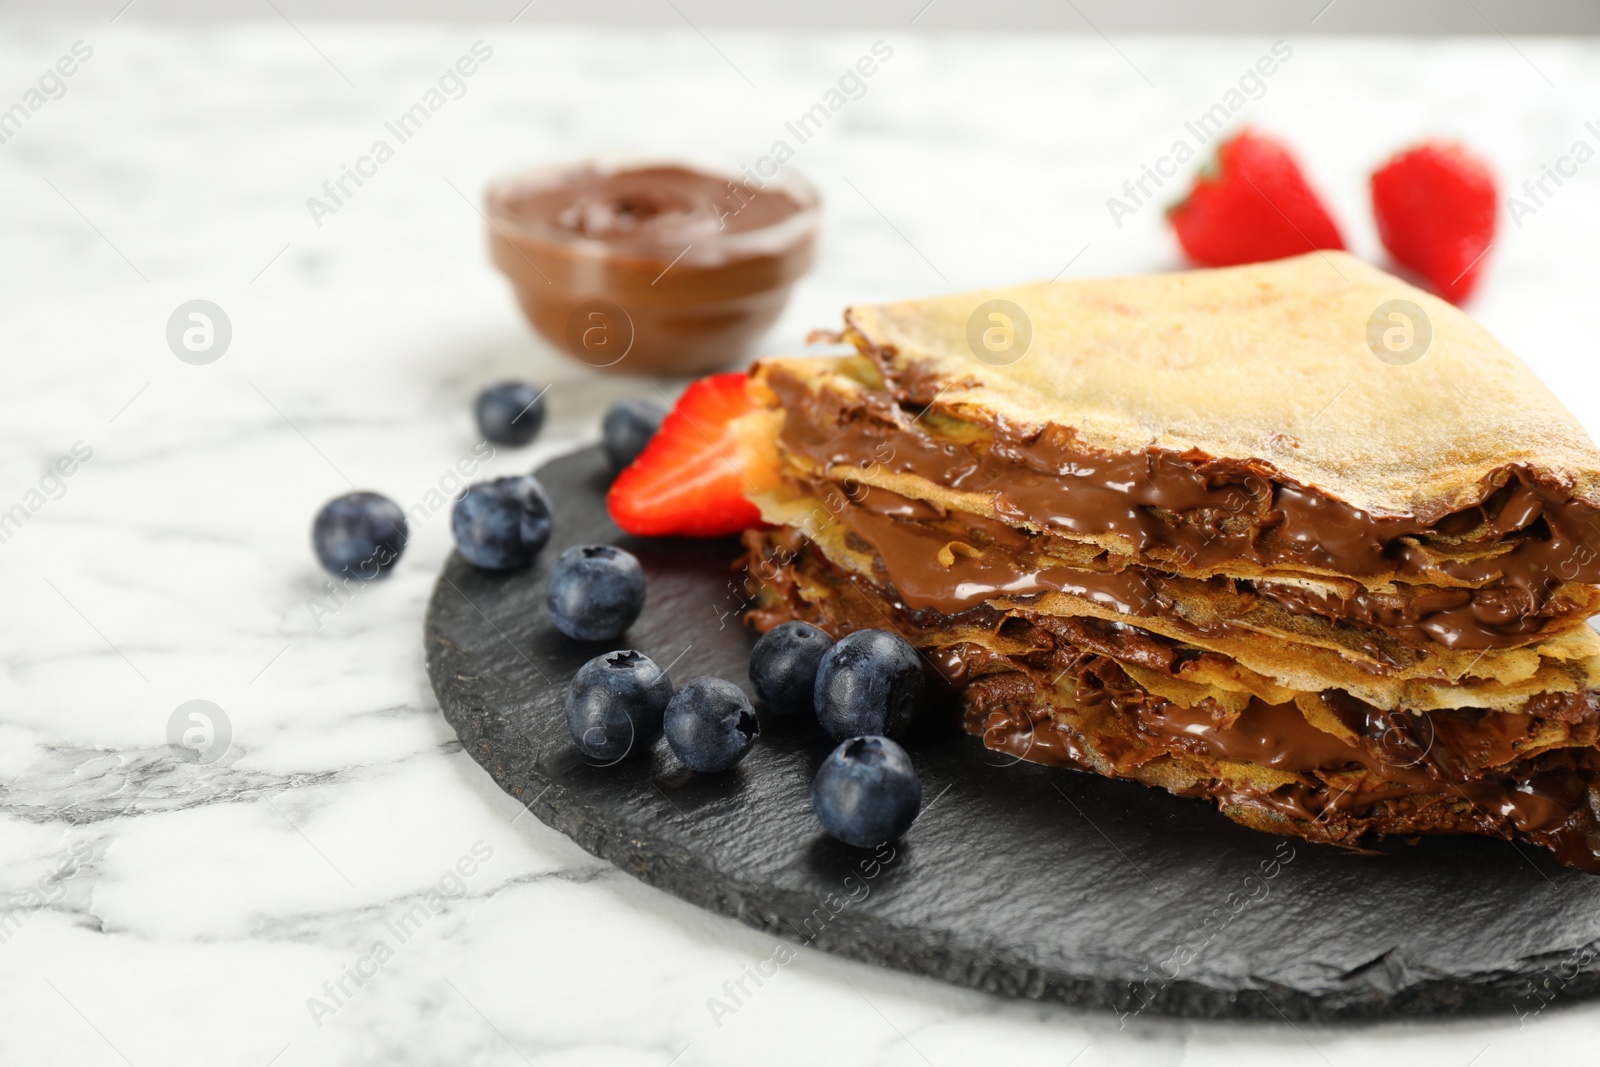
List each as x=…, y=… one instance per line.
x=1250, y=204
x=1435, y=205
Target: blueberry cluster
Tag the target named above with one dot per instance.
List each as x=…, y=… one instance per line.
x=361, y=535
x=860, y=689
x=863, y=689
x=501, y=524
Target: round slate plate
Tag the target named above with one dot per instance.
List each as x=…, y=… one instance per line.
x=1020, y=880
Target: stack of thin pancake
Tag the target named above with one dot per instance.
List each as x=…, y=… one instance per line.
x=1199, y=535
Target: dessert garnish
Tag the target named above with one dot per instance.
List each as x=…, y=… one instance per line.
x=595, y=592
x=510, y=413
x=502, y=524
x=866, y=792
x=615, y=704
x=1252, y=203
x=710, y=725
x=869, y=682
x=1436, y=206
x=359, y=535
x=691, y=479
x=627, y=427
x=783, y=667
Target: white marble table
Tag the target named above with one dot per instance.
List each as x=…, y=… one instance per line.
x=164, y=912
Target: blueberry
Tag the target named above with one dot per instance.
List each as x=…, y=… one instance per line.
x=595, y=592
x=868, y=683
x=359, y=534
x=866, y=792
x=783, y=667
x=502, y=524
x=710, y=724
x=510, y=413
x=627, y=428
x=615, y=704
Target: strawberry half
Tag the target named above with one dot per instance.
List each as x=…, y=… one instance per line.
x=1435, y=206
x=1250, y=204
x=691, y=479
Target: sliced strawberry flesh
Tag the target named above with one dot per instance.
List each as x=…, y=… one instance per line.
x=690, y=480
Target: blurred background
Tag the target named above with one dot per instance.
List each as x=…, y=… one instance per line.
x=1153, y=16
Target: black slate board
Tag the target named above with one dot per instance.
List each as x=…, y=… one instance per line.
x=1020, y=880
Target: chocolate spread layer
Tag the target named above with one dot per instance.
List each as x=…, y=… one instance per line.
x=1189, y=510
x=1458, y=771
x=1496, y=617
x=953, y=561
x=1425, y=773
